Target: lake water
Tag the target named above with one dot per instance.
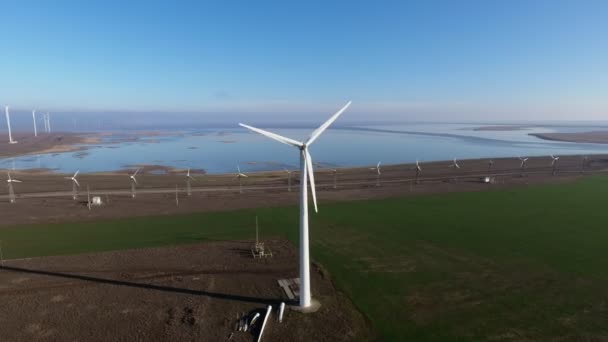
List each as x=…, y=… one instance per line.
x=220, y=150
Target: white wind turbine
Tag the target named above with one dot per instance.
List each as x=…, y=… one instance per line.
x=189, y=178
x=335, y=171
x=133, y=183
x=288, y=179
x=522, y=166
x=378, y=173
x=48, y=120
x=454, y=164
x=418, y=170
x=11, y=192
x=34, y=119
x=8, y=124
x=75, y=184
x=554, y=161
x=240, y=176
x=306, y=174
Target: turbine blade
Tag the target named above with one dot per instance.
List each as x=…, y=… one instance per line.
x=274, y=136
x=311, y=178
x=76, y=174
x=16, y=181
x=77, y=184
x=326, y=124
x=134, y=180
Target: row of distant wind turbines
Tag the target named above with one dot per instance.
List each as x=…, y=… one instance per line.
x=240, y=175
x=47, y=123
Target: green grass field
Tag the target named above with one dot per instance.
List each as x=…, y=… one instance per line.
x=524, y=264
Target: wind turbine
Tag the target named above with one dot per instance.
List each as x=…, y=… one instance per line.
x=524, y=161
x=8, y=124
x=48, y=119
x=75, y=185
x=454, y=164
x=133, y=183
x=418, y=170
x=288, y=179
x=378, y=173
x=188, y=179
x=335, y=171
x=554, y=161
x=11, y=192
x=490, y=165
x=88, y=198
x=584, y=163
x=34, y=118
x=306, y=174
x=240, y=175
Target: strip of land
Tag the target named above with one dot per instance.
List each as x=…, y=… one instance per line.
x=594, y=137
x=47, y=143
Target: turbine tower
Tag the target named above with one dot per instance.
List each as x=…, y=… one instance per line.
x=490, y=165
x=522, y=167
x=378, y=173
x=34, y=118
x=306, y=174
x=335, y=171
x=133, y=183
x=418, y=170
x=8, y=124
x=288, y=179
x=188, y=179
x=11, y=192
x=554, y=161
x=75, y=185
x=240, y=175
x=48, y=119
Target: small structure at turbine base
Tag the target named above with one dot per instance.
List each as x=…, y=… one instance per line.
x=96, y=201
x=258, y=250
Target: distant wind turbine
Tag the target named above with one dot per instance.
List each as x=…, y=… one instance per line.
x=554, y=161
x=34, y=119
x=418, y=170
x=306, y=174
x=133, y=183
x=584, y=163
x=335, y=171
x=522, y=166
x=240, y=176
x=288, y=179
x=378, y=173
x=188, y=186
x=75, y=184
x=8, y=124
x=11, y=192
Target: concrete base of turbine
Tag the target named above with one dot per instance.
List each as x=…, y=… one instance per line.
x=314, y=306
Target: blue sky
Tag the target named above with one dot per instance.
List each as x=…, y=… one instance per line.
x=443, y=60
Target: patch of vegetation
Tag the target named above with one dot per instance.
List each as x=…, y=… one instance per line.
x=522, y=264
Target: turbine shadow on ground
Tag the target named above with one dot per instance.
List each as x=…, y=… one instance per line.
x=223, y=296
